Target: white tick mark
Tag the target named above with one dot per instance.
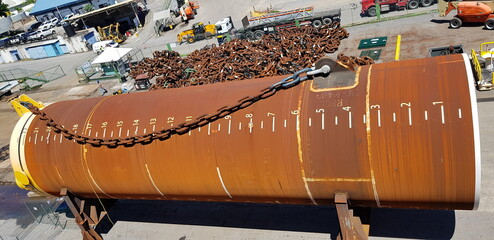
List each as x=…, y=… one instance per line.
x=379, y=117
x=322, y=121
x=459, y=112
x=442, y=114
x=349, y=119
x=272, y=128
x=229, y=126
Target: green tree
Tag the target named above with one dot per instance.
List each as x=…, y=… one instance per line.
x=88, y=8
x=4, y=9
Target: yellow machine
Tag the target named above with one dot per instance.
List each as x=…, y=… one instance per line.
x=484, y=75
x=20, y=104
x=198, y=32
x=111, y=32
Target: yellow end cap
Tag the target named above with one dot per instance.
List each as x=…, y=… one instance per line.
x=21, y=179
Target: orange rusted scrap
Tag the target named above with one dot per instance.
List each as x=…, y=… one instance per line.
x=398, y=134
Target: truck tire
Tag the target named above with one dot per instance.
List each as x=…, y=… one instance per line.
x=371, y=12
x=249, y=35
x=455, y=23
x=426, y=3
x=413, y=4
x=317, y=23
x=191, y=40
x=258, y=34
x=489, y=24
x=327, y=21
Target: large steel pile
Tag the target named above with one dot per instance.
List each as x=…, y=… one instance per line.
x=275, y=54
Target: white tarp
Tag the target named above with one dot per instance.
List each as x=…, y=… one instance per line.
x=161, y=15
x=111, y=55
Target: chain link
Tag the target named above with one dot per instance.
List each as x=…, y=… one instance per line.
x=200, y=121
x=180, y=129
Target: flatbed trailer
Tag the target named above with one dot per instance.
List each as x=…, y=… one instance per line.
x=255, y=27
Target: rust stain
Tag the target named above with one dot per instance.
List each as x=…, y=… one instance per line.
x=336, y=142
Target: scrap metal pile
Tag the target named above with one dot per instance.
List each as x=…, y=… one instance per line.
x=275, y=54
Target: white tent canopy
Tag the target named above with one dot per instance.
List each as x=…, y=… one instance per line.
x=111, y=55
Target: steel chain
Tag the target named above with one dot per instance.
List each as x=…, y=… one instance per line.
x=179, y=129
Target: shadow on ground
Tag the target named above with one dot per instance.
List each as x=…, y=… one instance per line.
x=399, y=223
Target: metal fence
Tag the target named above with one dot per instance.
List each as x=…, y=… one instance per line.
x=46, y=75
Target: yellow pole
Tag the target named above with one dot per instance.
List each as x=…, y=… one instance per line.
x=398, y=43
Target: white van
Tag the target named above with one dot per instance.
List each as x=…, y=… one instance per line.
x=99, y=47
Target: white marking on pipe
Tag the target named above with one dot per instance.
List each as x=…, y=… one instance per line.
x=251, y=125
x=284, y=123
x=335, y=120
x=410, y=116
x=128, y=132
x=364, y=119
x=199, y=129
x=426, y=115
x=61, y=138
x=209, y=128
x=379, y=117
x=137, y=130
x=219, y=127
x=240, y=126
x=154, y=128
x=119, y=132
x=111, y=134
x=222, y=183
x=459, y=112
x=42, y=138
x=262, y=124
x=104, y=132
x=89, y=133
x=310, y=122
x=394, y=117
x=272, y=128
x=442, y=114
x=190, y=132
x=152, y=181
x=298, y=123
x=48, y=138
x=29, y=139
x=54, y=137
x=35, y=138
x=322, y=121
x=96, y=134
x=145, y=131
x=229, y=126
x=349, y=119
x=91, y=175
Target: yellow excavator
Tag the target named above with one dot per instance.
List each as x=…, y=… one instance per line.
x=198, y=32
x=111, y=32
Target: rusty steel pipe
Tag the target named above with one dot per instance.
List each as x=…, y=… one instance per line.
x=399, y=134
